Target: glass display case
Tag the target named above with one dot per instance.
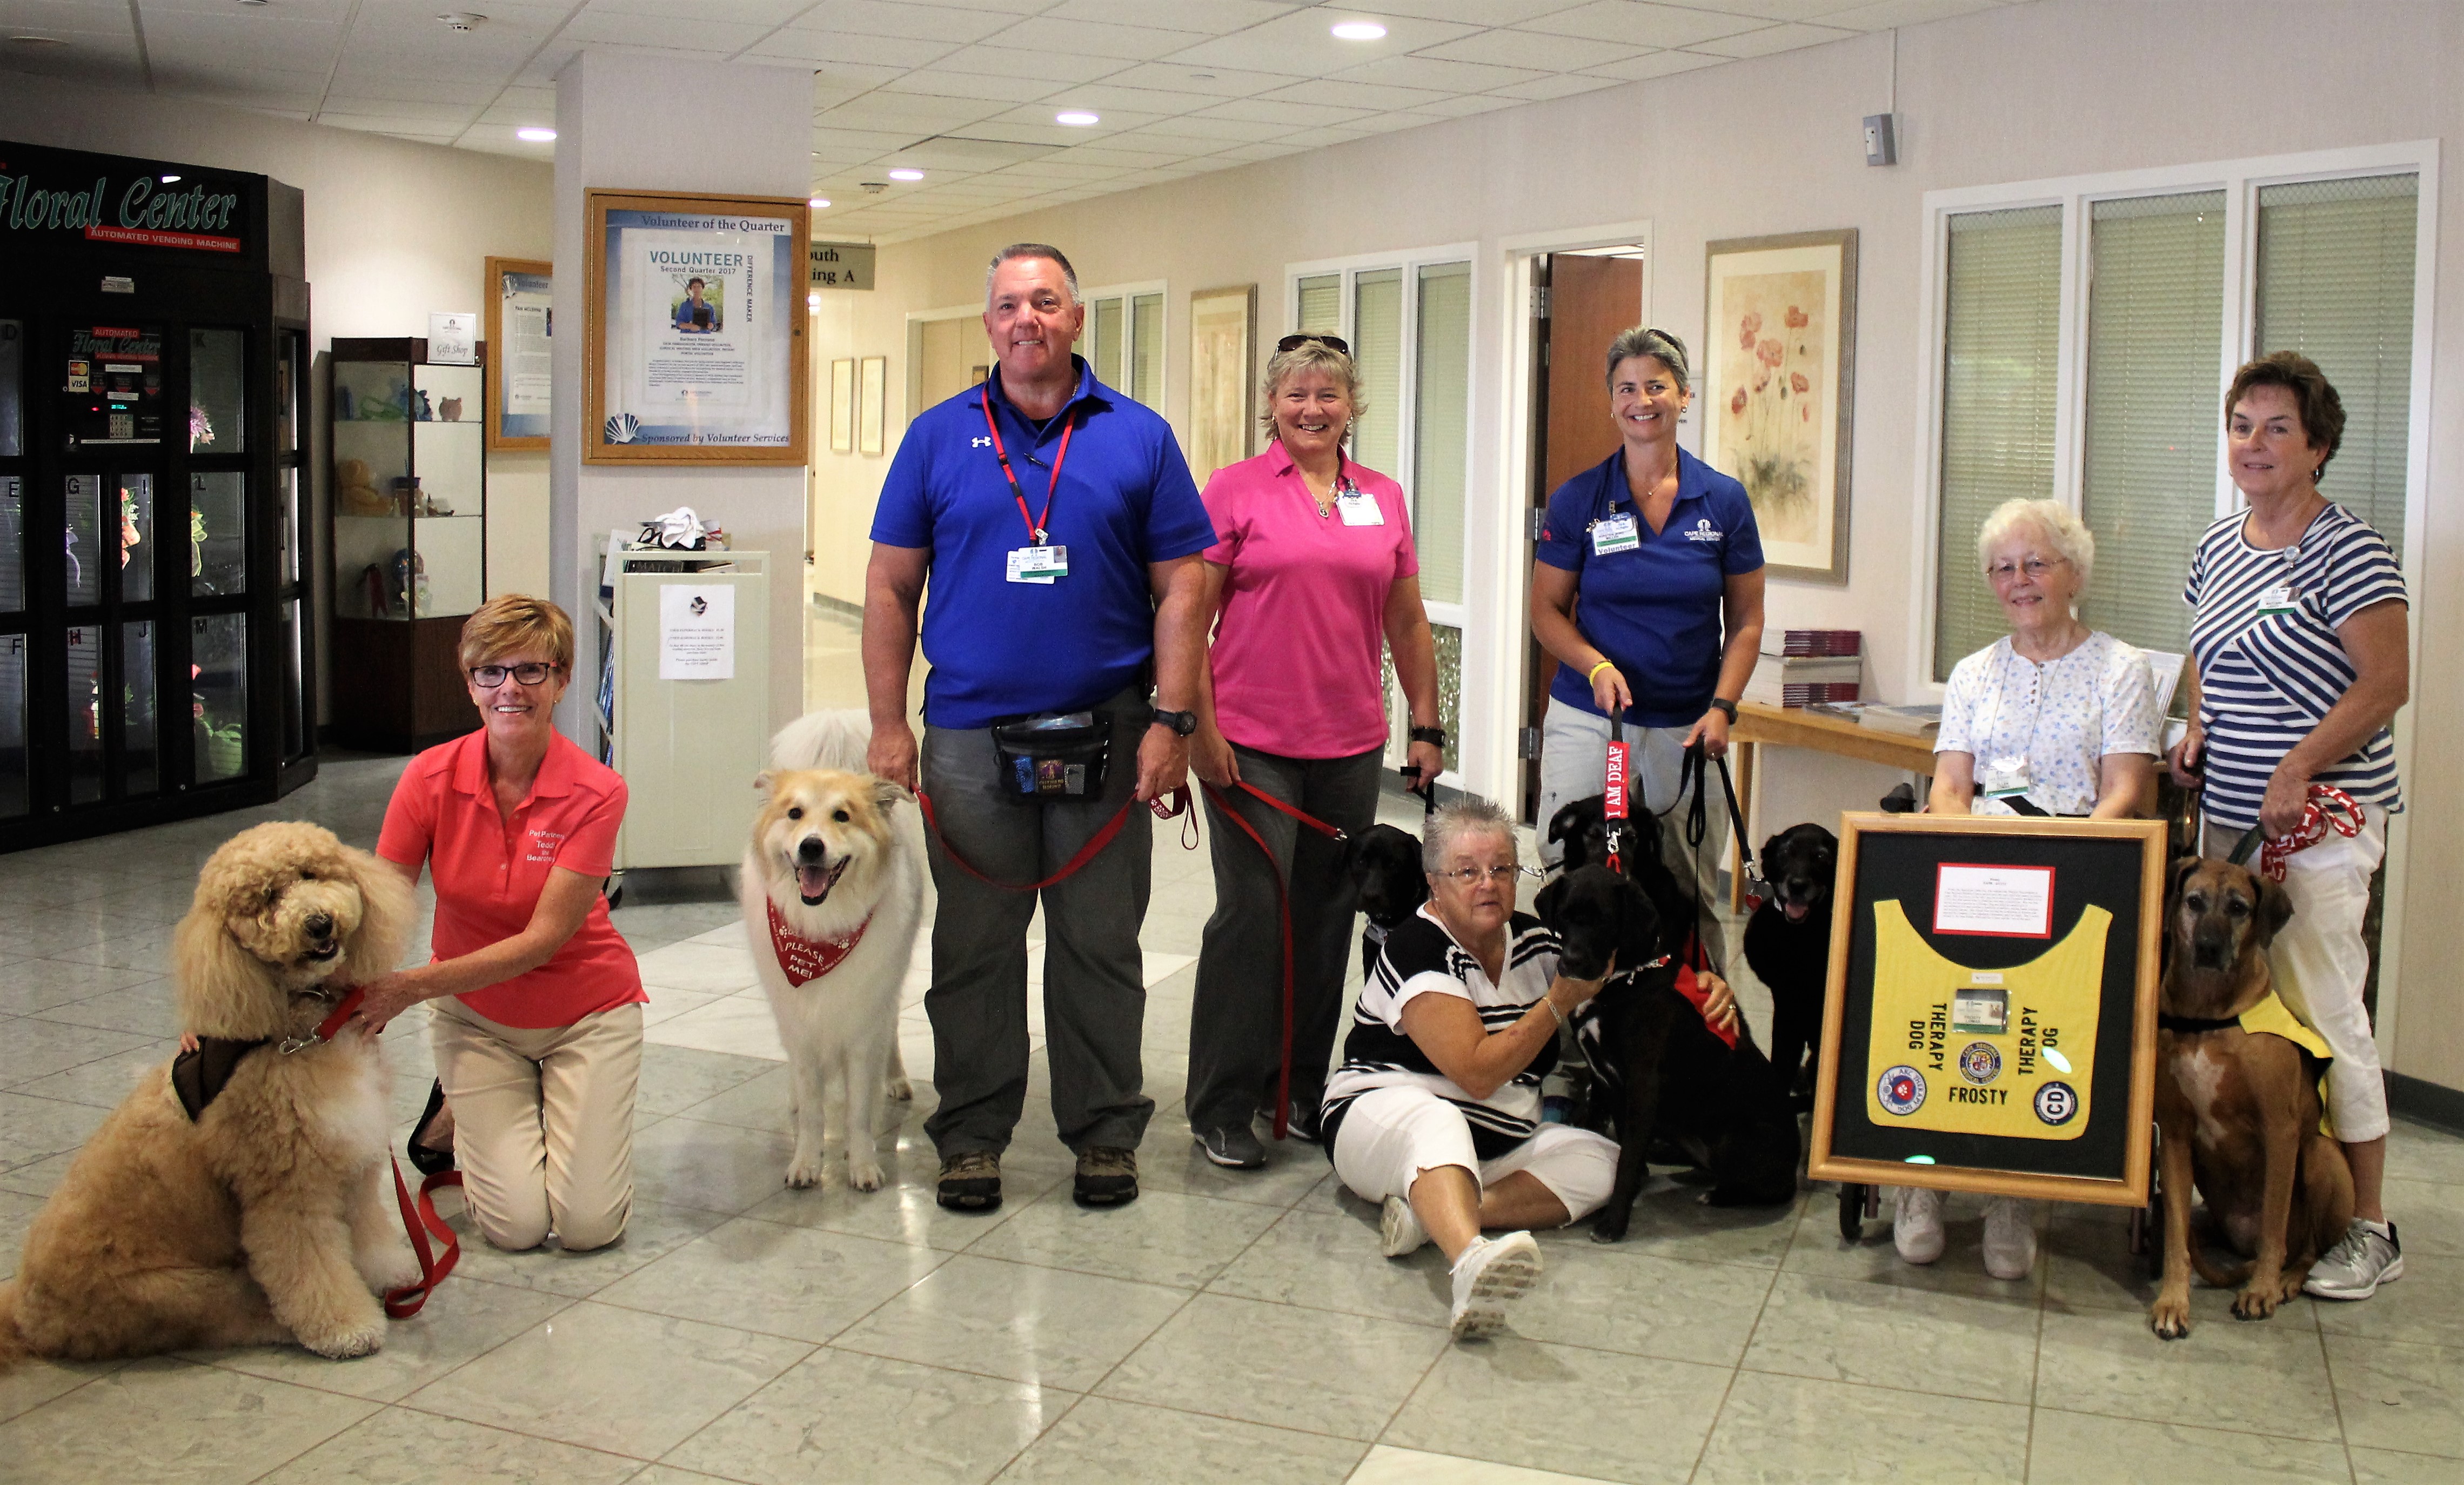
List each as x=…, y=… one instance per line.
x=409, y=540
x=125, y=610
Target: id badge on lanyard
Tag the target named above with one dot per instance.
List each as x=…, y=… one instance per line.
x=2281, y=597
x=1039, y=562
x=1615, y=534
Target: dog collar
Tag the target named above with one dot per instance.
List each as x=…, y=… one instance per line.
x=2190, y=1025
x=803, y=960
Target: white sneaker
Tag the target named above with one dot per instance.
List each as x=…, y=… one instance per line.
x=1492, y=1273
x=1400, y=1232
x=2009, y=1237
x=1916, y=1229
x=2369, y=1257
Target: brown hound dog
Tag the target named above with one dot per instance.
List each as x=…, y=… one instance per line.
x=2237, y=1110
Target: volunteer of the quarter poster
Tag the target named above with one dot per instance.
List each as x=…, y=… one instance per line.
x=696, y=321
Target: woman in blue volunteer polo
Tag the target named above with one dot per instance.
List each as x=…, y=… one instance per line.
x=1648, y=590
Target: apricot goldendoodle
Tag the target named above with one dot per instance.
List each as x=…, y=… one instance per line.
x=267, y=1218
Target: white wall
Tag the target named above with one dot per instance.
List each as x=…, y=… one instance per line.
x=394, y=229
x=2057, y=88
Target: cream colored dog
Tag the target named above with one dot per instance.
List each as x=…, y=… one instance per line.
x=832, y=890
x=267, y=1218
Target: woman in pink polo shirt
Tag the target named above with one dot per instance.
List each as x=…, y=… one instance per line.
x=537, y=1020
x=1312, y=569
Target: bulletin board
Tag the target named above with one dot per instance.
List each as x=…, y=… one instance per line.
x=1989, y=1023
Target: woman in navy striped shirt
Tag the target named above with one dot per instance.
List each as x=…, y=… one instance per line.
x=2302, y=664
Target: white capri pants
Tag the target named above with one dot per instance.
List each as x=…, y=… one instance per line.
x=1573, y=765
x=2321, y=964
x=1390, y=1135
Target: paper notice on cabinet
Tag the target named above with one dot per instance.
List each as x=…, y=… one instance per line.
x=696, y=632
x=2010, y=902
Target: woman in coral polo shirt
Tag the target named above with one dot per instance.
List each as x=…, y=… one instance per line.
x=537, y=1017
x=1312, y=569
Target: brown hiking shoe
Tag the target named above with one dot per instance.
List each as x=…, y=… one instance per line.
x=1108, y=1176
x=970, y=1182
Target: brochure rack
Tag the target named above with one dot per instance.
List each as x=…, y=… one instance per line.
x=688, y=749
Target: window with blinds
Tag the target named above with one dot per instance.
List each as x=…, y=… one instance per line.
x=1441, y=410
x=2334, y=283
x=2155, y=318
x=1320, y=305
x=1377, y=355
x=1146, y=350
x=2001, y=347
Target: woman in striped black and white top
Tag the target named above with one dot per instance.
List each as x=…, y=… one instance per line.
x=2302, y=665
x=1435, y=1110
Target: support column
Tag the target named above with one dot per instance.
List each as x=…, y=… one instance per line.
x=636, y=122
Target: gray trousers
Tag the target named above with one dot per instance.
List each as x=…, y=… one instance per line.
x=1236, y=1017
x=1094, y=988
x=1573, y=765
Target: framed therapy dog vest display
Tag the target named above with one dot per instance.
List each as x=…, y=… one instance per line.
x=1989, y=1022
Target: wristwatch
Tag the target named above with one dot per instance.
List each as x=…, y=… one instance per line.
x=1725, y=705
x=1434, y=737
x=1181, y=723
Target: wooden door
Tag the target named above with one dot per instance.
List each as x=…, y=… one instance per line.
x=1589, y=300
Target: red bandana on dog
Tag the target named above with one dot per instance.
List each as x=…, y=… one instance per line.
x=803, y=959
x=1699, y=995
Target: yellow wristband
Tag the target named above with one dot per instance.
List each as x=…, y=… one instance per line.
x=1593, y=673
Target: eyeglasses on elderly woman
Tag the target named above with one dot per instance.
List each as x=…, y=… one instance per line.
x=1333, y=343
x=1468, y=875
x=2036, y=568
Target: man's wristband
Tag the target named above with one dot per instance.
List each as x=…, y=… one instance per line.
x=1434, y=737
x=1726, y=707
x=1593, y=673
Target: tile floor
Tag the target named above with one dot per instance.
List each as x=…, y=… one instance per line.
x=1227, y=1326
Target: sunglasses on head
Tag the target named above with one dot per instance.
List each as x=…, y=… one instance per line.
x=1333, y=343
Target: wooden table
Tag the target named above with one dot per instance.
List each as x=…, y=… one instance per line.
x=1793, y=726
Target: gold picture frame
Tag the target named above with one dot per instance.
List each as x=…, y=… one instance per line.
x=1222, y=382
x=648, y=368
x=516, y=373
x=1776, y=384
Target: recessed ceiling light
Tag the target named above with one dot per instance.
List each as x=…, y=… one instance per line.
x=462, y=20
x=533, y=134
x=169, y=179
x=1359, y=30
x=1076, y=118
x=817, y=202
x=903, y=174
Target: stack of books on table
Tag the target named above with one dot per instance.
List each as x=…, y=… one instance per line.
x=1911, y=721
x=1809, y=667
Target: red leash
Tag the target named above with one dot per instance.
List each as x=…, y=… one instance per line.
x=1087, y=853
x=418, y=1220
x=1283, y=912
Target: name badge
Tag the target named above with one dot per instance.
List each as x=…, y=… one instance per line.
x=2004, y=778
x=1359, y=508
x=1038, y=564
x=1614, y=534
x=2276, y=600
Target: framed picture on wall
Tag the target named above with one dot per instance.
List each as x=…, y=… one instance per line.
x=694, y=327
x=517, y=352
x=872, y=381
x=1776, y=388
x=843, y=404
x=1222, y=393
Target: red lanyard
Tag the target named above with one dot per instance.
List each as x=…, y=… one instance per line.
x=1035, y=524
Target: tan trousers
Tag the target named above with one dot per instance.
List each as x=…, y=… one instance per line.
x=543, y=1123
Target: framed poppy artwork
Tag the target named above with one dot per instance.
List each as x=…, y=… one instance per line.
x=1776, y=388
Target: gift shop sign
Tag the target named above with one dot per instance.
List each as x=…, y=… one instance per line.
x=144, y=211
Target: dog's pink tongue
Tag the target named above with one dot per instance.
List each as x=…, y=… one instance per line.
x=812, y=882
x=1795, y=911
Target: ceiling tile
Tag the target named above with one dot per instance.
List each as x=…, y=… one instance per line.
x=1437, y=76
x=1529, y=49
x=827, y=49
x=1196, y=133
x=1565, y=84
x=1286, y=114
x=953, y=154
x=1110, y=94
x=1108, y=153
x=1320, y=138
x=1092, y=38
x=1467, y=104
x=1390, y=123
x=917, y=22
x=1245, y=153
x=1300, y=42
x=1775, y=39
x=1035, y=115
x=652, y=31
x=1657, y=64
x=893, y=112
x=1209, y=17
x=1221, y=81
x=355, y=83
x=1885, y=14
x=458, y=115
x=1640, y=24
x=1062, y=67
x=764, y=13
x=1354, y=94
x=977, y=86
x=862, y=143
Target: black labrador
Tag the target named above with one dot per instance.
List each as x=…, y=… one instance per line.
x=1658, y=1067
x=1788, y=944
x=1582, y=829
x=1385, y=866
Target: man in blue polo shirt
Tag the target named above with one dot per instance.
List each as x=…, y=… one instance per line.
x=1059, y=529
x=1648, y=590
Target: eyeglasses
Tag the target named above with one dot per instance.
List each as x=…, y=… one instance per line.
x=2036, y=568
x=1468, y=875
x=1333, y=343
x=530, y=672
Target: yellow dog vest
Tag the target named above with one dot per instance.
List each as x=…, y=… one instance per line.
x=1984, y=1051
